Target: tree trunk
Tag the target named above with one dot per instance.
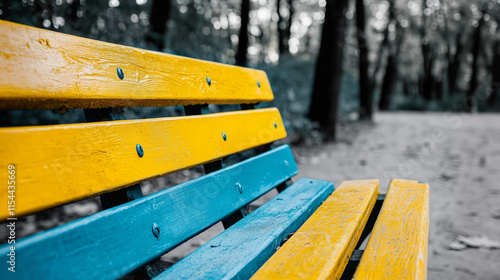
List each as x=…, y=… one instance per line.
x=365, y=94
x=495, y=74
x=241, y=53
x=383, y=46
x=288, y=33
x=426, y=79
x=328, y=75
x=159, y=15
x=454, y=65
x=476, y=47
x=406, y=88
x=73, y=10
x=281, y=29
x=388, y=83
x=390, y=75
x=437, y=86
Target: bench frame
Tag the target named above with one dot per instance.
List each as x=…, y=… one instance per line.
x=103, y=79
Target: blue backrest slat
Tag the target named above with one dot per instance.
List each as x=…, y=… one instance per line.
x=114, y=242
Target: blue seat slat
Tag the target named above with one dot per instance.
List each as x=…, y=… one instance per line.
x=238, y=252
x=111, y=243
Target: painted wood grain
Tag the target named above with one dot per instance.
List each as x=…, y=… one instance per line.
x=240, y=250
x=113, y=242
x=61, y=163
x=50, y=70
x=397, y=248
x=321, y=248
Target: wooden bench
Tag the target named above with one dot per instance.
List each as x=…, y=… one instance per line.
x=307, y=231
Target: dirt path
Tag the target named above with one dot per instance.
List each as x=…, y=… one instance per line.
x=458, y=155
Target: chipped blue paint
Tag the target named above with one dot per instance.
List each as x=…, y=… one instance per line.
x=113, y=242
x=238, y=252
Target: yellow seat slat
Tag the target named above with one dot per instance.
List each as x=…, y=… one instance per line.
x=61, y=163
x=50, y=70
x=397, y=248
x=321, y=248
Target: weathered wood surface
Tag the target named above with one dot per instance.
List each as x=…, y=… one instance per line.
x=62, y=163
x=240, y=250
x=321, y=248
x=397, y=248
x=113, y=242
x=46, y=69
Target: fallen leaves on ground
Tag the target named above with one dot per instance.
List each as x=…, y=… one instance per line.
x=478, y=241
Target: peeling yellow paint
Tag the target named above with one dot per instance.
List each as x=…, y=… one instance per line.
x=397, y=248
x=83, y=160
x=41, y=69
x=321, y=248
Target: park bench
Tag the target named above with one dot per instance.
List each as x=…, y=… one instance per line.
x=308, y=230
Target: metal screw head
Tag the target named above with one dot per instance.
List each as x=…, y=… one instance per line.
x=139, y=149
x=258, y=83
x=156, y=230
x=119, y=71
x=275, y=125
x=239, y=187
x=224, y=136
x=209, y=81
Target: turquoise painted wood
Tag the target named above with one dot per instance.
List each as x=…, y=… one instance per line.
x=238, y=252
x=114, y=242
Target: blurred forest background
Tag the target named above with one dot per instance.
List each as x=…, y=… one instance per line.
x=332, y=64
x=327, y=60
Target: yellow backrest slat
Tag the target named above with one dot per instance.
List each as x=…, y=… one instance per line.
x=397, y=248
x=61, y=163
x=41, y=69
x=321, y=248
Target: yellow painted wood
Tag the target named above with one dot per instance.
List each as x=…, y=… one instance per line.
x=46, y=69
x=321, y=248
x=61, y=163
x=397, y=248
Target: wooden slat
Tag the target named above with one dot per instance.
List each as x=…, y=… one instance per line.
x=240, y=250
x=397, y=248
x=45, y=69
x=321, y=248
x=61, y=163
x=113, y=242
